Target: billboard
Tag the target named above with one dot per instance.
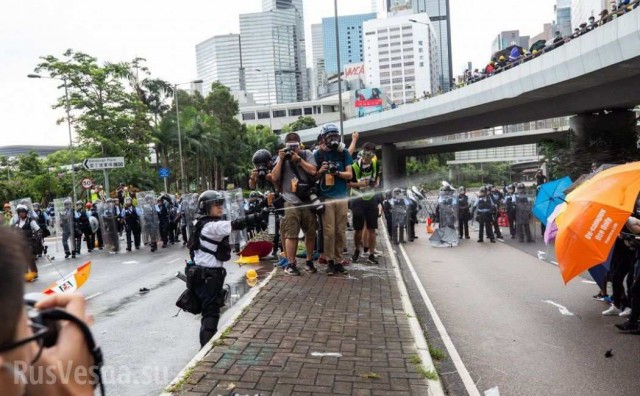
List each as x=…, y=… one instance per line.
x=353, y=71
x=369, y=100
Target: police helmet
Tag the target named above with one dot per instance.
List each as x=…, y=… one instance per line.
x=511, y=187
x=128, y=200
x=109, y=201
x=483, y=190
x=22, y=208
x=396, y=191
x=461, y=189
x=254, y=195
x=261, y=157
x=67, y=203
x=520, y=186
x=36, y=206
x=208, y=198
x=78, y=203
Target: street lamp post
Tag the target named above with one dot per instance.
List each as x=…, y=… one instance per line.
x=269, y=98
x=68, y=111
x=175, y=94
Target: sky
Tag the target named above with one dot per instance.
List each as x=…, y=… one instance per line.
x=165, y=33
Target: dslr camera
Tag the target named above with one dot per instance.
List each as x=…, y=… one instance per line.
x=333, y=168
x=290, y=149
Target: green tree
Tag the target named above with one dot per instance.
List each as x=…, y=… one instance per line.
x=300, y=124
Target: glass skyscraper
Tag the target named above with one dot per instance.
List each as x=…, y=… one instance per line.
x=350, y=33
x=219, y=59
x=273, y=52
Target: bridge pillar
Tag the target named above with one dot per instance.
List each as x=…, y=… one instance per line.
x=604, y=138
x=389, y=164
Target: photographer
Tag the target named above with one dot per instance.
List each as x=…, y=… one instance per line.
x=334, y=170
x=294, y=173
x=261, y=176
x=26, y=368
x=365, y=205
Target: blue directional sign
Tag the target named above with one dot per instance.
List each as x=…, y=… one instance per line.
x=164, y=172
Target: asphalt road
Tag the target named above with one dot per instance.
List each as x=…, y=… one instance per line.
x=497, y=305
x=145, y=345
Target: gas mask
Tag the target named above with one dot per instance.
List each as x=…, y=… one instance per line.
x=332, y=142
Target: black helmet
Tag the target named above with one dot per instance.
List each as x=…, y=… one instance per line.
x=254, y=195
x=520, y=186
x=483, y=189
x=511, y=187
x=208, y=198
x=261, y=157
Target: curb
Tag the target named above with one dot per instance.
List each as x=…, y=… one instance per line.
x=207, y=348
x=434, y=387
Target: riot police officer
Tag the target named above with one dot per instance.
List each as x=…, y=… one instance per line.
x=523, y=214
x=32, y=235
x=464, y=213
x=42, y=218
x=510, y=202
x=164, y=209
x=131, y=219
x=209, y=249
x=82, y=226
x=484, y=210
x=496, y=198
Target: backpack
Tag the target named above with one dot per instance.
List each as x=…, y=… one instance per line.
x=223, y=251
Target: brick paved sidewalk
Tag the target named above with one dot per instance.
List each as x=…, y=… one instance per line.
x=270, y=349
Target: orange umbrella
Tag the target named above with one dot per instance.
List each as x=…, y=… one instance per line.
x=596, y=212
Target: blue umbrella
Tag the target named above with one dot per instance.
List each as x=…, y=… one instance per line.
x=549, y=196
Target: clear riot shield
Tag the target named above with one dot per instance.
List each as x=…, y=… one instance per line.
x=63, y=208
x=148, y=218
x=234, y=209
x=525, y=226
x=108, y=214
x=446, y=235
x=22, y=201
x=399, y=219
x=190, y=212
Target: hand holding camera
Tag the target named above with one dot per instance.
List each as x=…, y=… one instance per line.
x=332, y=168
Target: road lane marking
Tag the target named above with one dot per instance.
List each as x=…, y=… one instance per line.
x=174, y=260
x=563, y=310
x=130, y=262
x=554, y=263
x=469, y=385
x=94, y=295
x=589, y=282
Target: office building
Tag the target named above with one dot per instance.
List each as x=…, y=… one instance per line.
x=219, y=58
x=317, y=59
x=350, y=34
x=401, y=57
x=563, y=13
x=508, y=38
x=273, y=52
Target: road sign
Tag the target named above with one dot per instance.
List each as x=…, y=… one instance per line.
x=87, y=183
x=164, y=172
x=103, y=163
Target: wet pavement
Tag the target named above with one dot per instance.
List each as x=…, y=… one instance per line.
x=145, y=344
x=516, y=325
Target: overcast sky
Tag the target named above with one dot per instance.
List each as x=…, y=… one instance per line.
x=165, y=33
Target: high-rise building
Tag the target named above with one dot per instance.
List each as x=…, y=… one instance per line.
x=563, y=17
x=219, y=58
x=508, y=38
x=351, y=39
x=438, y=11
x=401, y=57
x=317, y=58
x=273, y=52
x=581, y=10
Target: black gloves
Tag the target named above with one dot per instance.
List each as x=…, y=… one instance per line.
x=252, y=220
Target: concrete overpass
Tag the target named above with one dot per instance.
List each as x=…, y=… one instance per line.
x=599, y=70
x=422, y=147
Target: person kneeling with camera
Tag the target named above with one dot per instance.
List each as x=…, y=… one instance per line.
x=294, y=173
x=46, y=347
x=209, y=249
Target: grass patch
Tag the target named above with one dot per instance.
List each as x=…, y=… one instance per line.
x=428, y=374
x=225, y=333
x=371, y=375
x=436, y=353
x=178, y=385
x=415, y=359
